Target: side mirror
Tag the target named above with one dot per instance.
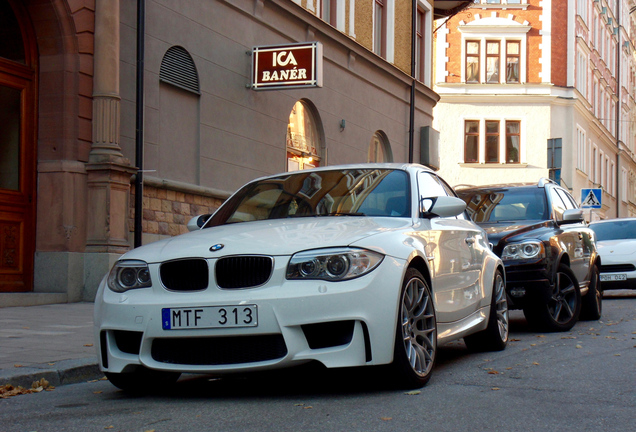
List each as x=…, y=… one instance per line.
x=442, y=206
x=197, y=222
x=572, y=216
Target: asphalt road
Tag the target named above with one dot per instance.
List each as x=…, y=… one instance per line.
x=582, y=380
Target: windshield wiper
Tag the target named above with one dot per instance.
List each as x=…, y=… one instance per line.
x=344, y=214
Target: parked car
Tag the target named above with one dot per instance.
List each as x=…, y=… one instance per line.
x=616, y=243
x=347, y=266
x=552, y=265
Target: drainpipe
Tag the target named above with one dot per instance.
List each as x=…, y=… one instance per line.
x=618, y=111
x=412, y=107
x=139, y=122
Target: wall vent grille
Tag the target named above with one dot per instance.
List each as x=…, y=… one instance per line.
x=178, y=69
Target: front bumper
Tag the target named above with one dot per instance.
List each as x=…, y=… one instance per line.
x=339, y=324
x=527, y=283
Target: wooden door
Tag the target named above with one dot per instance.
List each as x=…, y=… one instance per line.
x=17, y=153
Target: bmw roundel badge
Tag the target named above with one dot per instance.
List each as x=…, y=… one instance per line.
x=216, y=247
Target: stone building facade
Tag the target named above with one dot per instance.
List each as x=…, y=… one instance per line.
x=542, y=88
x=68, y=98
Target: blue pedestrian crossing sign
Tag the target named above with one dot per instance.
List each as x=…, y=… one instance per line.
x=591, y=198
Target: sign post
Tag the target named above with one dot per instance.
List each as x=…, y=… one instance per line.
x=591, y=199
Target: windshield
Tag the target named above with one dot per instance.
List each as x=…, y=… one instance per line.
x=615, y=230
x=505, y=205
x=361, y=192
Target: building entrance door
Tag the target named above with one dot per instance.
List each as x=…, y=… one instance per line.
x=17, y=156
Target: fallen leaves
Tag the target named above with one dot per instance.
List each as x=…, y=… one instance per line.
x=8, y=390
x=88, y=345
x=413, y=392
x=386, y=418
x=493, y=372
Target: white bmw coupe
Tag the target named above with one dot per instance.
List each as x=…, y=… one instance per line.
x=358, y=265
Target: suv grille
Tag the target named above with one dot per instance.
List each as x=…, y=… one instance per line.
x=243, y=271
x=612, y=268
x=219, y=350
x=185, y=275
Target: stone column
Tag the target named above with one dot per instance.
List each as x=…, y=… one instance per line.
x=108, y=170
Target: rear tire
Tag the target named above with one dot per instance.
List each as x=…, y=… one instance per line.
x=563, y=308
x=495, y=336
x=592, y=303
x=143, y=380
x=415, y=347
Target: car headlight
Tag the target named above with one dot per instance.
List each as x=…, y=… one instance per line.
x=129, y=274
x=522, y=251
x=332, y=264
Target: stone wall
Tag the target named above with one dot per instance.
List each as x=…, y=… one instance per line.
x=167, y=212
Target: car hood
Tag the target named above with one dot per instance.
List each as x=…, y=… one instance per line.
x=517, y=231
x=270, y=237
x=610, y=248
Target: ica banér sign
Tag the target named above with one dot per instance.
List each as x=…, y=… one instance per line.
x=276, y=67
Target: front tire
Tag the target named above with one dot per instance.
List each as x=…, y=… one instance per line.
x=142, y=380
x=495, y=336
x=592, y=303
x=415, y=347
x=562, y=310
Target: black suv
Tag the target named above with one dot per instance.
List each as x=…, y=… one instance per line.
x=552, y=266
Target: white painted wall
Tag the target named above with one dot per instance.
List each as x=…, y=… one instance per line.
x=535, y=131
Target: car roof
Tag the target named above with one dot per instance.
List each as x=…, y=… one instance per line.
x=464, y=188
x=612, y=220
x=393, y=165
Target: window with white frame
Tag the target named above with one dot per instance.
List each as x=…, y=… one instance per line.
x=581, y=73
x=494, y=54
x=328, y=11
x=594, y=164
x=601, y=171
x=492, y=141
x=595, y=29
x=612, y=179
x=379, y=28
x=581, y=9
x=580, y=149
x=606, y=172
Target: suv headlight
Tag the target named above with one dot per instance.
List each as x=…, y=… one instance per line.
x=129, y=274
x=522, y=251
x=332, y=264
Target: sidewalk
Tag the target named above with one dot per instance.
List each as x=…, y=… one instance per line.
x=52, y=341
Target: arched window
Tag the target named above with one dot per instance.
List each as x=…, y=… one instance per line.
x=12, y=46
x=380, y=150
x=303, y=137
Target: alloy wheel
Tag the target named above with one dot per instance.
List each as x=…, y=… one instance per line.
x=502, y=307
x=418, y=327
x=563, y=302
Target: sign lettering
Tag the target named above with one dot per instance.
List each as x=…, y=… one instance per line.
x=287, y=66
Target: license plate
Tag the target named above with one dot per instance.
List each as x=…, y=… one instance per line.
x=613, y=277
x=209, y=317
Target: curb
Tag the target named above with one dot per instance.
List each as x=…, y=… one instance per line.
x=61, y=373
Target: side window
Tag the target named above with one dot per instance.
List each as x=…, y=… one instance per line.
x=450, y=192
x=558, y=206
x=568, y=198
x=429, y=186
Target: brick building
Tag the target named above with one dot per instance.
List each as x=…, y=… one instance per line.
x=68, y=103
x=542, y=88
